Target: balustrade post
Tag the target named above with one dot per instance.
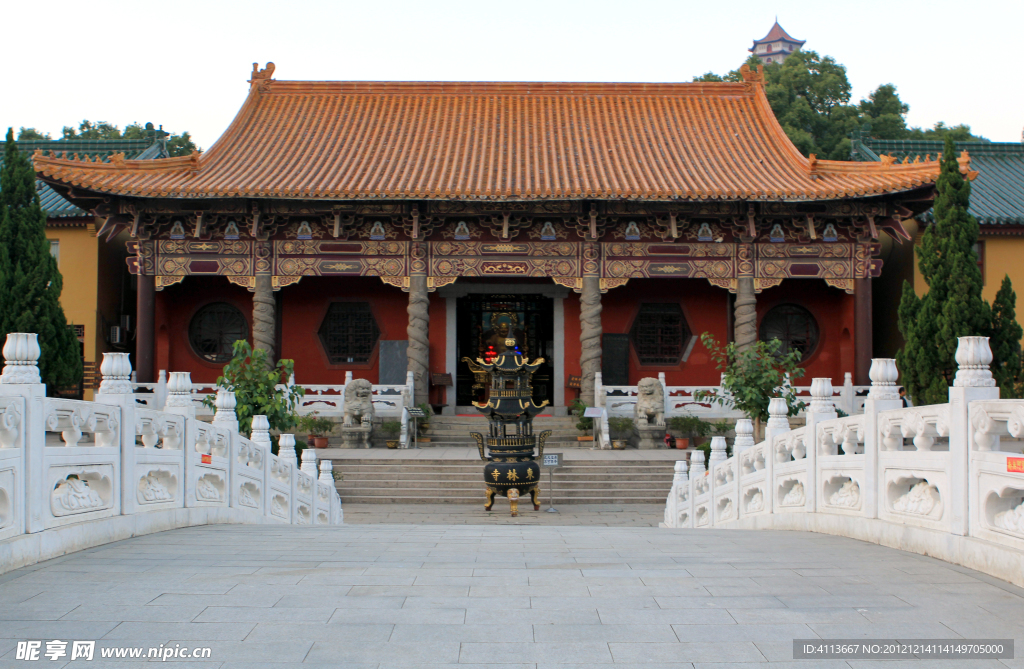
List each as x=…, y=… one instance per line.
x=698, y=470
x=116, y=390
x=20, y=378
x=160, y=391
x=846, y=395
x=225, y=403
x=883, y=396
x=820, y=409
x=718, y=456
x=778, y=423
x=309, y=462
x=973, y=382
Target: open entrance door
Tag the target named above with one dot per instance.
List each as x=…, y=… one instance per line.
x=483, y=323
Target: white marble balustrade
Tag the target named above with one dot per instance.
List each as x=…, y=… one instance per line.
x=945, y=480
x=75, y=474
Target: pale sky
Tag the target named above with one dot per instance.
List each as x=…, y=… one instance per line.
x=184, y=64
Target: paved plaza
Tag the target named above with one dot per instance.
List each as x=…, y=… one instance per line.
x=387, y=595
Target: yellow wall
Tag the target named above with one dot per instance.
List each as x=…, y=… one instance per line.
x=1004, y=256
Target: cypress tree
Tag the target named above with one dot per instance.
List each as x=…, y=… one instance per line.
x=1004, y=338
x=953, y=306
x=30, y=283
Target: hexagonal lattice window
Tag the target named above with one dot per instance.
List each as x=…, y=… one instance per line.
x=792, y=325
x=349, y=332
x=660, y=334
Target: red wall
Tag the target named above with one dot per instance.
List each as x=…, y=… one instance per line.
x=706, y=309
x=833, y=309
x=704, y=306
x=176, y=305
x=302, y=308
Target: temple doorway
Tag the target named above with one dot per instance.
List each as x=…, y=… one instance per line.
x=484, y=321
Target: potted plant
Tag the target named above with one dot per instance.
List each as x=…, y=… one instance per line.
x=391, y=429
x=583, y=424
x=318, y=427
x=690, y=428
x=620, y=427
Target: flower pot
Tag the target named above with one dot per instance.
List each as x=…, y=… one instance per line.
x=682, y=442
x=393, y=443
x=584, y=439
x=319, y=442
x=618, y=444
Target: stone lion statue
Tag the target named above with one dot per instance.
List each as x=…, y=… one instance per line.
x=650, y=403
x=358, y=402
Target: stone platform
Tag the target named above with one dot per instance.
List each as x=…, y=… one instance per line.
x=454, y=475
x=443, y=596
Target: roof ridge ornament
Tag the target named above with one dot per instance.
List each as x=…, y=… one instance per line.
x=260, y=79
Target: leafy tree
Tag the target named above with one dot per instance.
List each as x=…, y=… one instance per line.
x=752, y=377
x=31, y=133
x=953, y=306
x=886, y=112
x=30, y=283
x=255, y=384
x=810, y=96
x=177, y=145
x=1004, y=338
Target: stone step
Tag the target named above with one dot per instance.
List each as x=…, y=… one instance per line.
x=416, y=481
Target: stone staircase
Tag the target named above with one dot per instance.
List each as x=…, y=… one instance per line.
x=425, y=481
x=454, y=431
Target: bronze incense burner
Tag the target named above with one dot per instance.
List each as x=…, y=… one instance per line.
x=510, y=470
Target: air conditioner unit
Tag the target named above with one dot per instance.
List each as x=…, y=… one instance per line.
x=116, y=335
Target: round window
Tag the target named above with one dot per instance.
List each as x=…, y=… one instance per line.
x=214, y=330
x=792, y=325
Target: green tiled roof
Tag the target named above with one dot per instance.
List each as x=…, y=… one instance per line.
x=56, y=206
x=997, y=194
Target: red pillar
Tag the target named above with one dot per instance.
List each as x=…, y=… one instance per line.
x=862, y=340
x=144, y=333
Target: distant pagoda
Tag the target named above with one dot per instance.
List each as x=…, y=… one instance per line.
x=776, y=46
x=510, y=470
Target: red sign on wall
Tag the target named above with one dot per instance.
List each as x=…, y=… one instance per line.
x=206, y=459
x=1015, y=465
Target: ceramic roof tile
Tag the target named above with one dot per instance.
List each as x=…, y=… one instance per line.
x=516, y=141
x=997, y=194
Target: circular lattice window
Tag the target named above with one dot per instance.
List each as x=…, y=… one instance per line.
x=214, y=330
x=792, y=325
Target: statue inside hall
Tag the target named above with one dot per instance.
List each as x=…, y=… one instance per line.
x=503, y=326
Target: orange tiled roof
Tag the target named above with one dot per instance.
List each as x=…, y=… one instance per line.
x=517, y=141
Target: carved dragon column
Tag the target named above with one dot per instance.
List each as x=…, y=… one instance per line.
x=263, y=328
x=745, y=309
x=419, y=323
x=590, y=322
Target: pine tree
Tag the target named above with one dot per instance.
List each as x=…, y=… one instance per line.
x=30, y=283
x=953, y=306
x=1004, y=338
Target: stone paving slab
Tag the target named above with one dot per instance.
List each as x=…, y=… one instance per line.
x=499, y=595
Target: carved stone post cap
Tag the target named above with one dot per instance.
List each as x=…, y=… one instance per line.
x=326, y=473
x=681, y=466
x=260, y=422
x=179, y=389
x=777, y=407
x=697, y=457
x=116, y=369
x=883, y=375
x=973, y=357
x=21, y=358
x=744, y=426
x=225, y=400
